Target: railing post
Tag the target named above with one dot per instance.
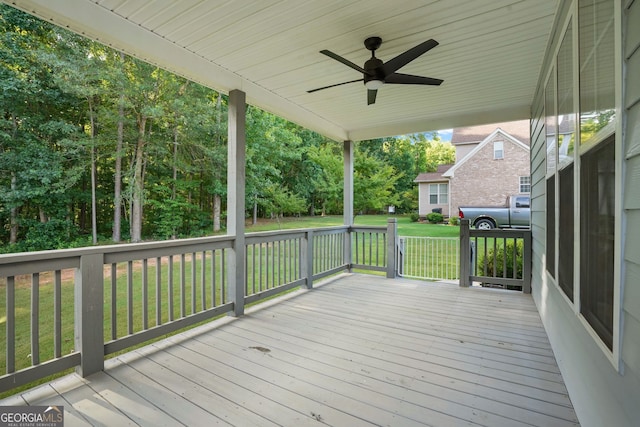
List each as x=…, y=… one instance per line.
x=347, y=248
x=392, y=244
x=465, y=253
x=89, y=314
x=526, y=263
x=306, y=256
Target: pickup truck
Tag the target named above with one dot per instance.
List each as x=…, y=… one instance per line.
x=516, y=214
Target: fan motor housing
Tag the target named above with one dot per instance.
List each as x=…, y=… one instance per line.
x=373, y=67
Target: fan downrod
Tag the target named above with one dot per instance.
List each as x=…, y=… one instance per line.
x=372, y=43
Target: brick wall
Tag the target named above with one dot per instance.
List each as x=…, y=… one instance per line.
x=483, y=181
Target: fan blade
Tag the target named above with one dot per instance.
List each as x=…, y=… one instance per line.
x=408, y=79
x=371, y=96
x=344, y=61
x=337, y=84
x=403, y=59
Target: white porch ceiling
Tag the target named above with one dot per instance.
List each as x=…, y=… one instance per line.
x=490, y=54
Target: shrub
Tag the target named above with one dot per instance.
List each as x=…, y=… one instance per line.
x=454, y=220
x=435, y=217
x=414, y=217
x=497, y=269
x=53, y=234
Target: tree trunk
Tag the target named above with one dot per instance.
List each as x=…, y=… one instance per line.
x=216, y=197
x=138, y=185
x=255, y=211
x=216, y=212
x=175, y=170
x=13, y=227
x=117, y=180
x=94, y=220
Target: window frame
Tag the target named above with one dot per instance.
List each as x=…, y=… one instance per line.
x=497, y=150
x=439, y=194
x=527, y=184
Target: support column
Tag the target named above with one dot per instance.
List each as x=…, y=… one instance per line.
x=89, y=314
x=348, y=199
x=348, y=183
x=235, y=198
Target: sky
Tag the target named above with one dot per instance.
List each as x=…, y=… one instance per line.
x=445, y=134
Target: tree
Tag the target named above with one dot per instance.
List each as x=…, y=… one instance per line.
x=327, y=181
x=373, y=183
x=41, y=158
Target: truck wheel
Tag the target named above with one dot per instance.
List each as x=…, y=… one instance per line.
x=485, y=224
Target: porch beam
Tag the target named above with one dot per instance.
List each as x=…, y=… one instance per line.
x=236, y=172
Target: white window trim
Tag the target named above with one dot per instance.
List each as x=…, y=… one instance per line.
x=520, y=184
x=497, y=144
x=438, y=194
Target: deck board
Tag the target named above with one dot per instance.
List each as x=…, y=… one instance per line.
x=358, y=350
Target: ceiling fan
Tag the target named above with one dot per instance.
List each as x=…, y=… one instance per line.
x=376, y=73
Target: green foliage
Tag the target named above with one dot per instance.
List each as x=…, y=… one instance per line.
x=70, y=107
x=495, y=267
x=454, y=220
x=53, y=234
x=414, y=216
x=435, y=217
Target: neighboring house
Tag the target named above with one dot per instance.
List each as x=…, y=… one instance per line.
x=492, y=162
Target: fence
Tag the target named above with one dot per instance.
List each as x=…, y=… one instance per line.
x=495, y=257
x=433, y=258
x=71, y=308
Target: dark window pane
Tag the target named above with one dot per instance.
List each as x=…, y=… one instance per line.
x=597, y=224
x=551, y=226
x=565, y=225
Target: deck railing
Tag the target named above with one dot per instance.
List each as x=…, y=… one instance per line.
x=495, y=257
x=71, y=308
x=430, y=258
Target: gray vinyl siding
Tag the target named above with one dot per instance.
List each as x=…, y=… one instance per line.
x=631, y=202
x=600, y=394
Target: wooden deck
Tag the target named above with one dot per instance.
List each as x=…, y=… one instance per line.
x=359, y=350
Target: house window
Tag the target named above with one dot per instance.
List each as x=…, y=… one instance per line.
x=566, y=132
x=551, y=147
x=438, y=194
x=525, y=184
x=498, y=150
x=597, y=218
x=566, y=239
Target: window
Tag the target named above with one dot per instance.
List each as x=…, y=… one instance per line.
x=597, y=71
x=523, y=202
x=551, y=226
x=564, y=164
x=565, y=231
x=525, y=184
x=438, y=194
x=551, y=148
x=498, y=150
x=597, y=167
x=597, y=219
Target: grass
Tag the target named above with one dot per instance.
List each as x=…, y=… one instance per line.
x=405, y=226
x=193, y=290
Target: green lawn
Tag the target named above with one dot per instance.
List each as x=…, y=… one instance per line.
x=405, y=226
